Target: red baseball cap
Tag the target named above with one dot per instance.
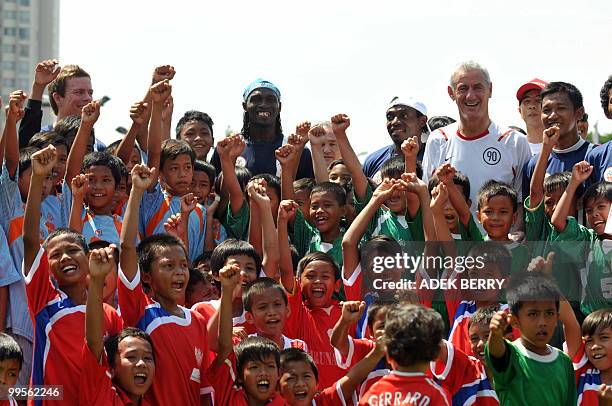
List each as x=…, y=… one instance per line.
x=533, y=84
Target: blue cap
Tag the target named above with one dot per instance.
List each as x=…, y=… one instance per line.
x=258, y=84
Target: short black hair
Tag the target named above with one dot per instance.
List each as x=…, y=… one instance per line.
x=335, y=189
x=289, y=355
x=334, y=163
x=194, y=115
x=557, y=181
x=531, y=287
x=517, y=128
x=208, y=169
x=483, y=315
x=493, y=252
x=258, y=287
x=272, y=181
x=25, y=159
x=97, y=244
x=602, y=189
x=393, y=168
x=231, y=247
x=113, y=147
x=494, y=188
x=63, y=231
x=412, y=334
x=10, y=350
x=202, y=258
x=195, y=277
x=255, y=348
x=68, y=127
x=111, y=344
x=171, y=149
x=103, y=159
x=604, y=95
x=304, y=184
x=318, y=256
x=436, y=122
x=596, y=322
x=563, y=87
x=374, y=308
x=148, y=249
x=44, y=138
x=460, y=179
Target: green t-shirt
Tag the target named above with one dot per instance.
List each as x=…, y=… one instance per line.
x=237, y=225
x=596, y=254
x=533, y=379
x=306, y=239
x=469, y=233
x=385, y=222
x=539, y=231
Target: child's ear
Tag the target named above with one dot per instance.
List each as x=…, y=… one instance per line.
x=514, y=217
x=249, y=317
x=145, y=277
x=337, y=285
x=478, y=216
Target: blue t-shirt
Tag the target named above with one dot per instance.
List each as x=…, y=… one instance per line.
x=601, y=159
x=376, y=159
x=558, y=161
x=258, y=157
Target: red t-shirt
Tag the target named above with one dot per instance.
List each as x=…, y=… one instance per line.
x=404, y=388
x=314, y=325
x=180, y=345
x=59, y=327
x=208, y=309
x=588, y=379
x=96, y=387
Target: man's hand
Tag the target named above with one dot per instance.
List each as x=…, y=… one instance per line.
x=188, y=203
x=15, y=107
x=446, y=173
x=287, y=210
x=340, y=122
x=410, y=148
x=499, y=324
x=164, y=72
x=46, y=72
x=229, y=276
x=90, y=112
x=581, y=172
x=101, y=262
x=43, y=161
x=257, y=192
x=161, y=91
x=550, y=137
x=79, y=186
x=439, y=198
x=352, y=311
x=138, y=112
x=143, y=177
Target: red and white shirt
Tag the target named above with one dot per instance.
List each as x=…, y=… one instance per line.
x=406, y=388
x=180, y=343
x=588, y=379
x=59, y=327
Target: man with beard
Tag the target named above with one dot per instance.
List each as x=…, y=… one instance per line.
x=406, y=117
x=263, y=133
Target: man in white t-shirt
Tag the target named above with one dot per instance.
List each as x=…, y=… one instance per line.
x=530, y=108
x=475, y=145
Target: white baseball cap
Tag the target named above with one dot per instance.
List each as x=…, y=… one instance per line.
x=408, y=102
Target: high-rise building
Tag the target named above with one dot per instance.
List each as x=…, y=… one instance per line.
x=29, y=33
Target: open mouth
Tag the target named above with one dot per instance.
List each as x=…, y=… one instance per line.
x=542, y=334
x=554, y=124
x=69, y=269
x=178, y=285
x=320, y=219
x=140, y=378
x=272, y=322
x=472, y=104
x=263, y=385
x=98, y=195
x=263, y=114
x=318, y=292
x=598, y=356
x=301, y=395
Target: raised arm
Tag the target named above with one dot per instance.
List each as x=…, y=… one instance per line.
x=42, y=165
x=316, y=135
x=14, y=114
x=229, y=149
x=286, y=213
x=496, y=342
x=159, y=93
x=340, y=122
x=160, y=73
x=536, y=188
x=359, y=226
x=211, y=204
x=288, y=156
x=359, y=372
x=410, y=149
x=89, y=116
x=79, y=186
x=261, y=201
x=221, y=324
x=139, y=115
x=419, y=187
x=446, y=173
x=142, y=178
x=351, y=313
x=100, y=265
x=580, y=173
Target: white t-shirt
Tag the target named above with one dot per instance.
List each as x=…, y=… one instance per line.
x=535, y=148
x=499, y=154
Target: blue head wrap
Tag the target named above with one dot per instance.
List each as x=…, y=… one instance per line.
x=258, y=84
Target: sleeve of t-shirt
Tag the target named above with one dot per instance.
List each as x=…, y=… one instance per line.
x=574, y=232
x=132, y=299
x=535, y=220
x=222, y=378
x=301, y=234
x=358, y=349
x=331, y=396
x=432, y=157
x=296, y=305
x=8, y=273
x=416, y=226
x=31, y=122
x=237, y=225
x=352, y=285
x=94, y=382
x=505, y=368
x=305, y=169
x=39, y=288
x=471, y=232
x=523, y=156
x=10, y=198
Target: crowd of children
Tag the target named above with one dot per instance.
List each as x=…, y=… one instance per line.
x=143, y=274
